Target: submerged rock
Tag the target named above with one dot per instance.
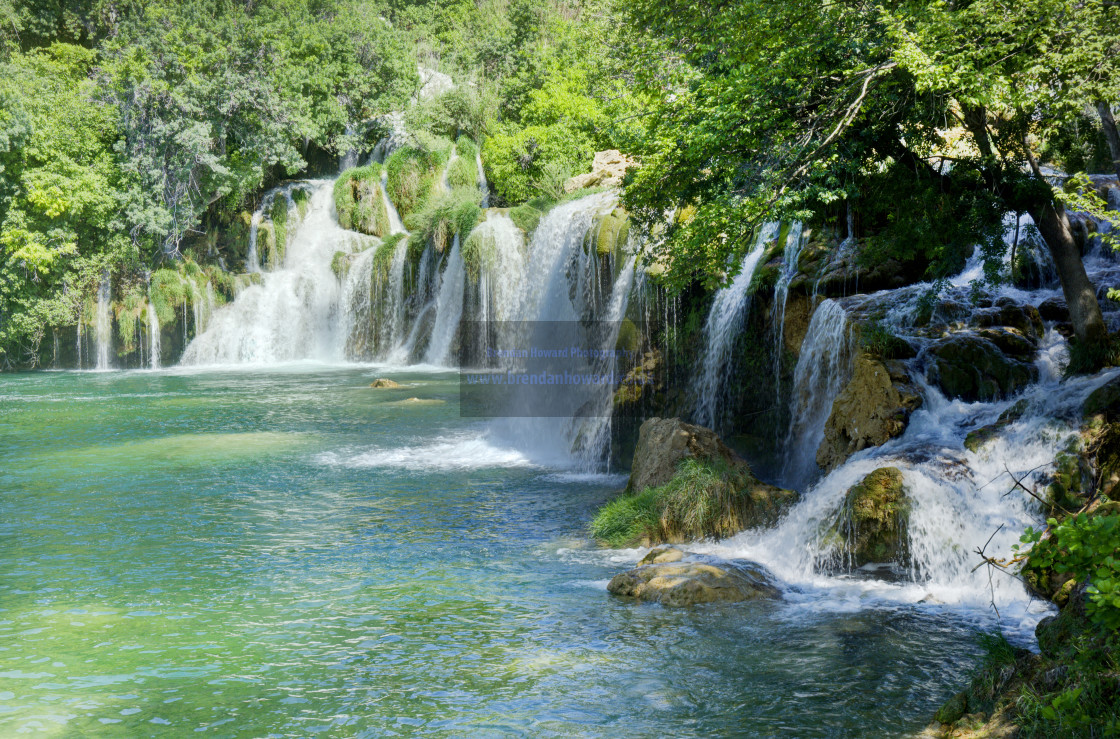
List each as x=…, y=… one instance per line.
x=873, y=407
x=382, y=382
x=874, y=522
x=672, y=577
x=980, y=437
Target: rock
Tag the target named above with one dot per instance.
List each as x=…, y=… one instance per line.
x=382, y=382
x=868, y=411
x=953, y=709
x=972, y=367
x=674, y=578
x=876, y=514
x=1053, y=309
x=663, y=443
x=669, y=501
x=607, y=170
x=433, y=83
x=981, y=436
x=1007, y=313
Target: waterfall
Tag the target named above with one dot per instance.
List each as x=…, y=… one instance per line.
x=790, y=257
x=356, y=306
x=395, y=225
x=723, y=326
x=104, y=325
x=822, y=369
x=482, y=184
x=292, y=313
x=349, y=158
x=449, y=309
x=252, y=260
x=561, y=304
x=153, y=331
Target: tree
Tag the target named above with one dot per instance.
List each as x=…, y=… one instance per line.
x=763, y=109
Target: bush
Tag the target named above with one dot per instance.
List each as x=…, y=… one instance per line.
x=414, y=173
x=518, y=160
x=463, y=172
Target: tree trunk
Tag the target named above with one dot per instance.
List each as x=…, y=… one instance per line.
x=1108, y=123
x=1080, y=294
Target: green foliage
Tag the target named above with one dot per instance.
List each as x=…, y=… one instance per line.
x=627, y=520
x=1085, y=546
x=463, y=172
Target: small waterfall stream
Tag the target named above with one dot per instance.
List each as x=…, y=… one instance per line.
x=822, y=369
x=724, y=324
x=104, y=326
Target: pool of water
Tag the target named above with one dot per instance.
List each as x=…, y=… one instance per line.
x=290, y=553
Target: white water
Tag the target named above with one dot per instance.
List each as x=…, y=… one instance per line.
x=482, y=185
x=723, y=326
x=104, y=326
x=252, y=259
x=790, y=258
x=449, y=309
x=395, y=224
x=153, y=332
x=292, y=314
x=823, y=367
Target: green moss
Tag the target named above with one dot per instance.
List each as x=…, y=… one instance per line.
x=453, y=213
x=302, y=200
x=704, y=499
x=875, y=515
x=526, y=217
x=279, y=215
x=340, y=264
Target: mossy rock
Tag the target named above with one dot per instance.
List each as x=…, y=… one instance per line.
x=874, y=520
x=385, y=383
x=972, y=367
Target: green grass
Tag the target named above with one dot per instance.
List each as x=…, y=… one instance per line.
x=704, y=499
x=358, y=202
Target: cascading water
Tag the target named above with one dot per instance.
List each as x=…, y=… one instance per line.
x=292, y=313
x=104, y=325
x=252, y=259
x=449, y=309
x=790, y=258
x=724, y=324
x=822, y=369
x=482, y=184
x=153, y=331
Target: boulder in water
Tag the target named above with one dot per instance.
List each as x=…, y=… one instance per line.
x=873, y=407
x=972, y=367
x=672, y=577
x=382, y=382
x=687, y=484
x=607, y=170
x=874, y=521
x=980, y=437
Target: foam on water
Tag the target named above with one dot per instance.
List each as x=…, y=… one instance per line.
x=442, y=454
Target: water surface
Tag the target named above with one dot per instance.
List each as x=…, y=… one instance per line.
x=291, y=553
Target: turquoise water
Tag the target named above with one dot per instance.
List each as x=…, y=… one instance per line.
x=291, y=553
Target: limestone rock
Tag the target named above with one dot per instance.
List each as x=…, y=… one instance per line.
x=875, y=518
x=973, y=367
x=869, y=411
x=382, y=382
x=663, y=443
x=674, y=578
x=607, y=170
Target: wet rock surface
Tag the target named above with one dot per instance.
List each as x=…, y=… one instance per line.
x=673, y=577
x=873, y=524
x=982, y=365
x=874, y=407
